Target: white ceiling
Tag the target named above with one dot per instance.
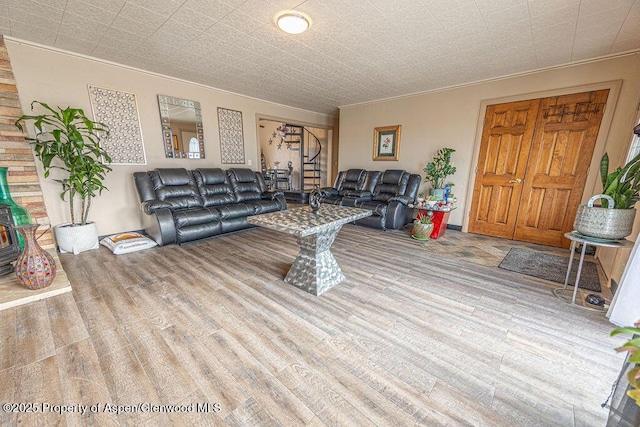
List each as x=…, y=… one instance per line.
x=355, y=50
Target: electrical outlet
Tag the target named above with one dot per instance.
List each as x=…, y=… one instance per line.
x=249, y=162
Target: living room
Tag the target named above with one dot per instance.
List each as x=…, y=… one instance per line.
x=388, y=343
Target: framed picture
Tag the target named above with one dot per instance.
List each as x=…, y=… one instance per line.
x=386, y=143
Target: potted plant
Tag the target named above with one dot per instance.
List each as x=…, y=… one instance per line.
x=621, y=190
x=438, y=170
x=422, y=227
x=67, y=140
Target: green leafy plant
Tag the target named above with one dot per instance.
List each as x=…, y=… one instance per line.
x=437, y=170
x=632, y=346
x=423, y=219
x=66, y=139
x=623, y=184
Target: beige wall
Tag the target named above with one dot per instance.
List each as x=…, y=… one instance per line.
x=450, y=118
x=61, y=79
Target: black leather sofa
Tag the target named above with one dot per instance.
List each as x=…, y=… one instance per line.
x=387, y=194
x=180, y=206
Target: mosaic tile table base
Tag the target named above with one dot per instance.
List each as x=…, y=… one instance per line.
x=314, y=270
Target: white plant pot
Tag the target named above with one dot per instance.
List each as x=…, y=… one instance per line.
x=438, y=192
x=76, y=239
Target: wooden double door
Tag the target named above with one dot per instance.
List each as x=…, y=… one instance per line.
x=533, y=164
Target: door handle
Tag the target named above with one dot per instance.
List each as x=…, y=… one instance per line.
x=515, y=181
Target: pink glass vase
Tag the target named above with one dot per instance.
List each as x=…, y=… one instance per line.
x=35, y=267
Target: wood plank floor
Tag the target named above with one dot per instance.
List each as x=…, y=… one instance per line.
x=410, y=338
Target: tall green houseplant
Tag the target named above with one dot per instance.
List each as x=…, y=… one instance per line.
x=623, y=184
x=66, y=139
x=439, y=168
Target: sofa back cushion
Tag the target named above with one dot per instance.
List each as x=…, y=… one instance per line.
x=391, y=183
x=245, y=184
x=214, y=187
x=353, y=180
x=371, y=181
x=176, y=187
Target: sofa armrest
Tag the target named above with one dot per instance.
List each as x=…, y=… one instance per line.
x=362, y=195
x=278, y=196
x=160, y=226
x=329, y=192
x=271, y=195
x=150, y=206
x=405, y=200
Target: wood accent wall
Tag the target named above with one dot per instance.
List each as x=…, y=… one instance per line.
x=16, y=152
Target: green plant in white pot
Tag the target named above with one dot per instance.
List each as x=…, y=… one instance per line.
x=621, y=190
x=437, y=170
x=68, y=141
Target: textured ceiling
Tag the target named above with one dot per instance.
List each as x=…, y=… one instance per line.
x=355, y=50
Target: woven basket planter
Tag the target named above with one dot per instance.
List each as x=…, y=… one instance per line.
x=604, y=223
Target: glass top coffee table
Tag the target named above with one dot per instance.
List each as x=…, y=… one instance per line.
x=315, y=269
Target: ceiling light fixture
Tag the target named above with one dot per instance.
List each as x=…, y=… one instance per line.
x=293, y=22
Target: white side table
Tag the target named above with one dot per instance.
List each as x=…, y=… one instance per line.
x=578, y=238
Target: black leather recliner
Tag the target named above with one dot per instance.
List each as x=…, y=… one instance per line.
x=181, y=206
x=394, y=190
x=387, y=194
x=350, y=180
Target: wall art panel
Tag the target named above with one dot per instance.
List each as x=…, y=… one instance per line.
x=119, y=111
x=231, y=136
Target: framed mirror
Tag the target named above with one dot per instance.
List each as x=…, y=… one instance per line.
x=181, y=128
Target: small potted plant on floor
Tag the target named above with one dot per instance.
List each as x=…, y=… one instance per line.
x=437, y=170
x=68, y=141
x=422, y=227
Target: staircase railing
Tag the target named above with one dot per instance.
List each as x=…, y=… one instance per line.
x=311, y=165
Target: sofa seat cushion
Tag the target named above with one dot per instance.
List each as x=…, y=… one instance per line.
x=189, y=217
x=234, y=211
x=263, y=206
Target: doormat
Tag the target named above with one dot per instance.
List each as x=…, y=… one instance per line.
x=551, y=267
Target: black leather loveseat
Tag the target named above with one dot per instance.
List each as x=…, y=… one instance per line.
x=181, y=206
x=387, y=194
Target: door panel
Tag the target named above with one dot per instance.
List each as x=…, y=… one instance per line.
x=561, y=152
x=504, y=151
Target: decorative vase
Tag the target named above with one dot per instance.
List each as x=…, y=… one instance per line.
x=315, y=198
x=20, y=215
x=422, y=231
x=35, y=267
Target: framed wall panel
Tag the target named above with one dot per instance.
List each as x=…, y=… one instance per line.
x=231, y=136
x=119, y=111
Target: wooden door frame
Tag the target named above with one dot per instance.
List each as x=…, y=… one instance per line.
x=594, y=168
